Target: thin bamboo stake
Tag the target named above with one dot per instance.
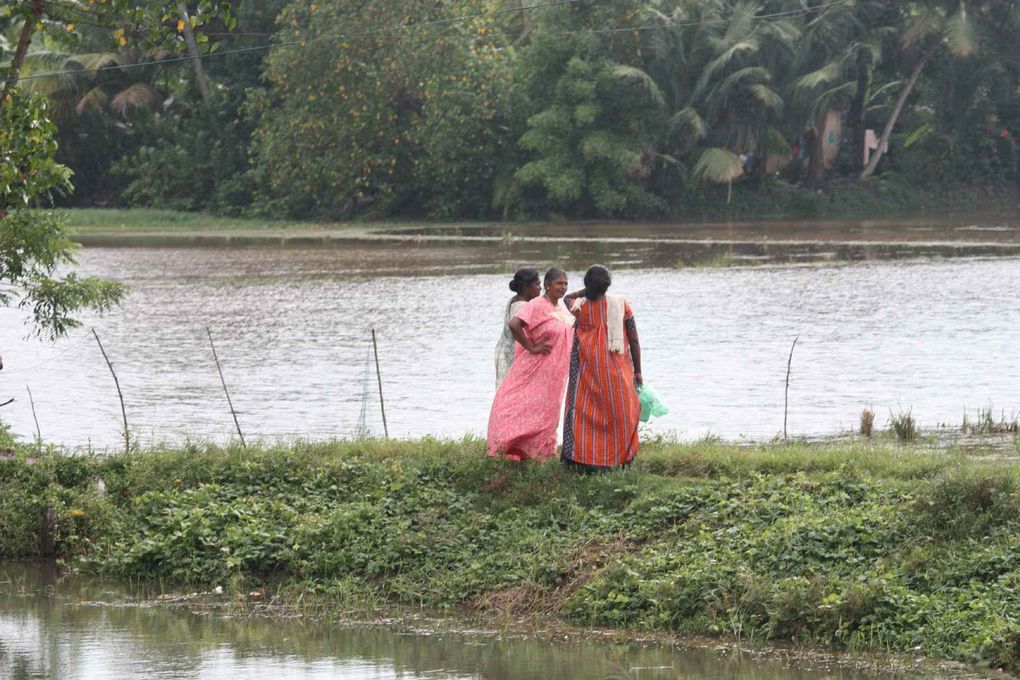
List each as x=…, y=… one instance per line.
x=38, y=432
x=120, y=395
x=225, y=391
x=378, y=375
x=786, y=402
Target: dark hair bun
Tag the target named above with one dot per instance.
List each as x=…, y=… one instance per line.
x=514, y=287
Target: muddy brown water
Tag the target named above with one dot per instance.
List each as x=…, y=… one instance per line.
x=931, y=334
x=76, y=629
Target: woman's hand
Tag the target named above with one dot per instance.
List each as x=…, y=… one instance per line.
x=638, y=379
x=517, y=330
x=542, y=347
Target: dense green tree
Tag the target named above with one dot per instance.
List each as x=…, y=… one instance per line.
x=583, y=108
x=382, y=109
x=587, y=131
x=194, y=154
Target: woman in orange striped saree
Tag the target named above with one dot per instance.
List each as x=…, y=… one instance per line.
x=600, y=425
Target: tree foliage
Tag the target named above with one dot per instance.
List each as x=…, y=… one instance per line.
x=403, y=115
x=615, y=108
x=34, y=248
x=588, y=129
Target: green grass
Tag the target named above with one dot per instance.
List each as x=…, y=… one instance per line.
x=119, y=220
x=856, y=544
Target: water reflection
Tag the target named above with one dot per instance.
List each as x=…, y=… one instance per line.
x=53, y=629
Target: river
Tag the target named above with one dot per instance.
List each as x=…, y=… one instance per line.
x=292, y=325
x=76, y=629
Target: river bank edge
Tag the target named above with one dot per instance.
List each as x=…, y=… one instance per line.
x=877, y=198
x=472, y=626
x=707, y=528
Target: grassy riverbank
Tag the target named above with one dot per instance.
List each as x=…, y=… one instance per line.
x=859, y=545
x=777, y=201
x=132, y=220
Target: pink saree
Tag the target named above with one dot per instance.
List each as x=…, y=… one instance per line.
x=526, y=411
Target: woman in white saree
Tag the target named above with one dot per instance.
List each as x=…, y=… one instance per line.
x=527, y=286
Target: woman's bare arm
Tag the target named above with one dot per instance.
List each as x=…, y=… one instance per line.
x=569, y=298
x=635, y=348
x=517, y=330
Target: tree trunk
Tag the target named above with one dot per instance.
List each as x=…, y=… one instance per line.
x=856, y=117
x=816, y=158
x=883, y=142
x=189, y=39
x=35, y=12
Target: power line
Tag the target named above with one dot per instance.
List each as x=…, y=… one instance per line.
x=804, y=11
x=47, y=360
x=292, y=43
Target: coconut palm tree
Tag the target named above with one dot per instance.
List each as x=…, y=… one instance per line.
x=710, y=67
x=108, y=82
x=928, y=27
x=834, y=71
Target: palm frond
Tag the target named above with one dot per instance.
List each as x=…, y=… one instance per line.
x=755, y=74
x=960, y=33
x=786, y=33
x=721, y=62
x=93, y=101
x=870, y=47
x=742, y=21
x=888, y=88
x=823, y=76
x=767, y=97
x=926, y=21
x=689, y=120
x=44, y=60
x=717, y=165
x=100, y=60
x=833, y=98
x=623, y=72
x=774, y=143
x=139, y=96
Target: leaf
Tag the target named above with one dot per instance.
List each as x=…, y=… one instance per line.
x=622, y=72
x=717, y=165
x=688, y=119
x=822, y=76
x=917, y=135
x=137, y=96
x=767, y=96
x=960, y=33
x=774, y=143
x=924, y=22
x=720, y=62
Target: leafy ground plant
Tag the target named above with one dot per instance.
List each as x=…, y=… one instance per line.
x=854, y=544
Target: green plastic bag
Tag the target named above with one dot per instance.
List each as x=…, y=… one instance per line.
x=651, y=405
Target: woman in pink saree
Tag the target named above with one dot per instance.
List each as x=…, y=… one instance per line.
x=526, y=411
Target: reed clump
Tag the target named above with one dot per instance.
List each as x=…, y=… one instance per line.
x=867, y=422
x=904, y=426
x=987, y=423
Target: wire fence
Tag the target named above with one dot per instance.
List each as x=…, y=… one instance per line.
x=199, y=409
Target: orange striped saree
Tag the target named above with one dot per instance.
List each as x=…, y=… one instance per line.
x=600, y=425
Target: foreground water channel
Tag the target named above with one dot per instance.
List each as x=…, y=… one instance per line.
x=914, y=317
x=76, y=629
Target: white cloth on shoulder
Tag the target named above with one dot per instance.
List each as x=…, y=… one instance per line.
x=615, y=306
